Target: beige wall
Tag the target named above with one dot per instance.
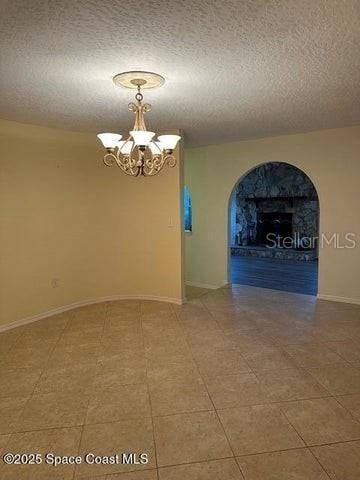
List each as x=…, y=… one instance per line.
x=331, y=158
x=64, y=215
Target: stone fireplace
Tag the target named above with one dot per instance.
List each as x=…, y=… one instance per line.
x=276, y=202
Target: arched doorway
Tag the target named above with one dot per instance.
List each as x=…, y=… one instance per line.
x=274, y=229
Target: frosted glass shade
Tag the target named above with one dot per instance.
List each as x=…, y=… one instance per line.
x=168, y=142
x=142, y=137
x=109, y=140
x=125, y=147
x=155, y=148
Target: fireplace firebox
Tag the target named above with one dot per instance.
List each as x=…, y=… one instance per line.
x=273, y=226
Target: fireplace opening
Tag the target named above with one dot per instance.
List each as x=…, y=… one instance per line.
x=274, y=226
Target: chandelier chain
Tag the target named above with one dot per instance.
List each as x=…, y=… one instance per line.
x=139, y=96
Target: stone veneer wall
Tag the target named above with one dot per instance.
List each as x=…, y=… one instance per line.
x=275, y=187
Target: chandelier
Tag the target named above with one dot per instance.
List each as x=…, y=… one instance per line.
x=140, y=153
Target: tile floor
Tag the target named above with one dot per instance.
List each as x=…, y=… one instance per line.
x=239, y=383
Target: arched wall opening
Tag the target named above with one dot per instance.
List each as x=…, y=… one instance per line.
x=273, y=229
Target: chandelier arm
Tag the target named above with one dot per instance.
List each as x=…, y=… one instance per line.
x=110, y=159
x=154, y=165
x=127, y=164
x=131, y=166
x=170, y=160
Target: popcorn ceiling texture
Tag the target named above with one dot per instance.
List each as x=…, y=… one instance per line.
x=234, y=69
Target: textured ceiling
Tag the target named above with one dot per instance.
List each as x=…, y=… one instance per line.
x=234, y=69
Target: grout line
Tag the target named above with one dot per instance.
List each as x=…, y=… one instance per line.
x=304, y=447
x=148, y=391
x=216, y=413
x=196, y=462
x=346, y=409
x=42, y=372
x=318, y=461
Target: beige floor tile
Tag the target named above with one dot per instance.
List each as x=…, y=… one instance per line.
x=165, y=338
x=157, y=312
x=199, y=325
x=226, y=469
x=248, y=342
x=341, y=461
x=190, y=437
x=313, y=355
x=82, y=323
x=118, y=343
x=177, y=397
x=123, y=306
x=292, y=384
x=5, y=348
x=180, y=370
x=37, y=341
x=50, y=325
x=7, y=340
x=127, y=324
x=89, y=312
x=174, y=349
x=124, y=402
x=333, y=333
x=160, y=323
x=54, y=410
x=66, y=379
x=18, y=382
x=338, y=379
x=122, y=334
x=4, y=439
x=115, y=319
x=321, y=421
x=268, y=358
x=292, y=464
x=8, y=337
x=351, y=403
x=142, y=475
x=135, y=435
x=213, y=362
x=153, y=306
x=73, y=355
x=349, y=351
x=210, y=339
x=192, y=309
x=236, y=322
x=28, y=356
x=113, y=316
x=290, y=336
x=10, y=411
x=62, y=441
x=126, y=368
x=196, y=292
x=236, y=390
x=258, y=429
x=79, y=337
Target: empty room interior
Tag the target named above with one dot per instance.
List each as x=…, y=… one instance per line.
x=180, y=240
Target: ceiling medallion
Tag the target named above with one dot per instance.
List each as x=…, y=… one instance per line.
x=139, y=154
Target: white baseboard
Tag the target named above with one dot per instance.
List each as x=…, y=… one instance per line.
x=204, y=285
x=83, y=303
x=333, y=298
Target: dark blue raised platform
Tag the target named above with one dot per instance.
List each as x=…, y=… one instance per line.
x=288, y=275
